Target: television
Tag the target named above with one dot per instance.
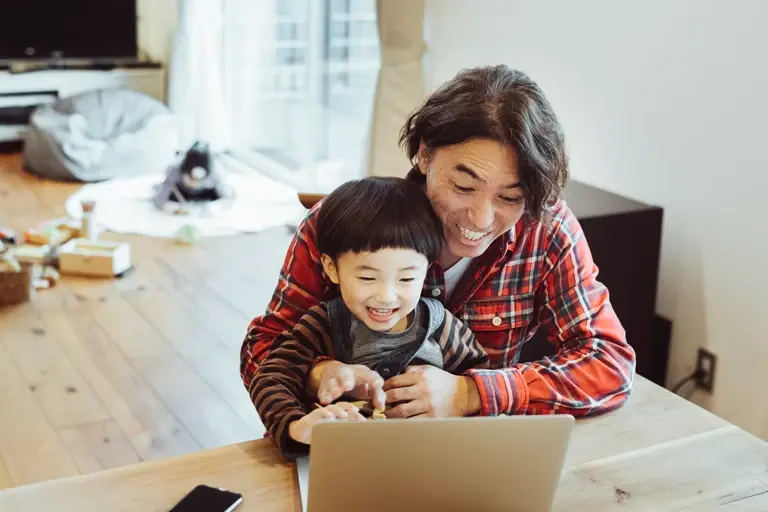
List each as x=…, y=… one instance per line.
x=68, y=29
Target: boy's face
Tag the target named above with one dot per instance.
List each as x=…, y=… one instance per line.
x=380, y=288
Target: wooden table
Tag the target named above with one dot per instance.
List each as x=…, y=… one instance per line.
x=657, y=453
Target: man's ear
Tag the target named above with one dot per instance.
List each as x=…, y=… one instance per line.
x=422, y=158
x=330, y=268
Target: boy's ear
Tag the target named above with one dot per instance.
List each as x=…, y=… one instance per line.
x=330, y=268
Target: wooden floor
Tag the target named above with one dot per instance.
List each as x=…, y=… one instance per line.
x=96, y=373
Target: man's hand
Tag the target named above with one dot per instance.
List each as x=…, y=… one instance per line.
x=329, y=380
x=430, y=391
x=301, y=430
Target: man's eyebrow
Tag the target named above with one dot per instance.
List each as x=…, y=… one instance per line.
x=466, y=170
x=472, y=174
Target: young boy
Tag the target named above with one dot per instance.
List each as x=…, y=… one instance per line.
x=376, y=236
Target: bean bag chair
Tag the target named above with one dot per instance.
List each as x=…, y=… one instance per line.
x=99, y=135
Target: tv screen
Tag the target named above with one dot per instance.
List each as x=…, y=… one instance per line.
x=68, y=29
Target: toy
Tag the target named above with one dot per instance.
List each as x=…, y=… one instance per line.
x=88, y=225
x=7, y=235
x=31, y=254
x=367, y=410
x=193, y=180
x=52, y=233
x=188, y=234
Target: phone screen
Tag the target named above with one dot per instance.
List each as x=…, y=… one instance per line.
x=208, y=499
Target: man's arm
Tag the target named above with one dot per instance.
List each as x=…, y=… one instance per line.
x=278, y=387
x=300, y=286
x=594, y=367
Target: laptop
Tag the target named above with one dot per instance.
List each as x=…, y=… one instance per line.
x=499, y=463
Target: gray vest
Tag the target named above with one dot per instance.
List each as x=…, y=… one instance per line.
x=387, y=354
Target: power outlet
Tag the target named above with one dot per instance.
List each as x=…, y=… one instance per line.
x=705, y=370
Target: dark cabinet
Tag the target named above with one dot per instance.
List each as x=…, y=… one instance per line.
x=624, y=237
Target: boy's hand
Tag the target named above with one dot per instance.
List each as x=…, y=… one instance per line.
x=335, y=379
x=301, y=430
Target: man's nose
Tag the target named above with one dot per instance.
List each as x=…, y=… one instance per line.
x=481, y=214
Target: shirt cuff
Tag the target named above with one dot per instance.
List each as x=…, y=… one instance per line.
x=501, y=391
x=320, y=359
x=289, y=448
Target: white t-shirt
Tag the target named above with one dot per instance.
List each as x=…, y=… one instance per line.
x=453, y=274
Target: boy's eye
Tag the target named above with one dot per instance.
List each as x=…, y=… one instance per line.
x=367, y=279
x=512, y=200
x=407, y=279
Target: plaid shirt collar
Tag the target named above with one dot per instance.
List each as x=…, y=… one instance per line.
x=475, y=276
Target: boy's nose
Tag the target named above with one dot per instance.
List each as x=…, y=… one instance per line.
x=387, y=295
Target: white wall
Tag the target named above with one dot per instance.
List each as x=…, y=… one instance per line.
x=665, y=102
x=157, y=21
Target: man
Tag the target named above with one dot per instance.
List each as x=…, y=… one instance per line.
x=491, y=155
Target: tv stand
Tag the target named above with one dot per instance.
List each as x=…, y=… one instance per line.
x=28, y=66
x=23, y=88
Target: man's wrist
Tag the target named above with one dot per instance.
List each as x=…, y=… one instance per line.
x=473, y=404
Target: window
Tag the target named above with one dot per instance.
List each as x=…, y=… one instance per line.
x=300, y=76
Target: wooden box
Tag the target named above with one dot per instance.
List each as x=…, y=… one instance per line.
x=97, y=258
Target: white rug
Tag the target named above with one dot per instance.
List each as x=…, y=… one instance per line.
x=125, y=206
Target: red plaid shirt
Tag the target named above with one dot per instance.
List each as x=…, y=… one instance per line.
x=537, y=276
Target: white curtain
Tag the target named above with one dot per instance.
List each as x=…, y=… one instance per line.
x=195, y=84
x=400, y=86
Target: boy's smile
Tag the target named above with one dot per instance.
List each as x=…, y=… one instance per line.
x=380, y=288
x=381, y=315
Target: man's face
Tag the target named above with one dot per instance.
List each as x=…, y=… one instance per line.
x=380, y=288
x=475, y=189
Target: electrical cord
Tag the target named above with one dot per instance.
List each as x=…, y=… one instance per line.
x=695, y=375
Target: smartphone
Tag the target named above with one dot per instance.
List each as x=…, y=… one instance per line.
x=208, y=499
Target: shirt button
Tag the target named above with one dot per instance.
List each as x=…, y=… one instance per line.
x=385, y=371
x=435, y=292
x=496, y=321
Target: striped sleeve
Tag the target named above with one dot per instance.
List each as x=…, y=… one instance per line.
x=461, y=350
x=278, y=388
x=300, y=286
x=594, y=367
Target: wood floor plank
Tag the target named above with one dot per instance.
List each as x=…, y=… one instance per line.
x=150, y=426
x=207, y=335
x=64, y=396
x=229, y=321
x=29, y=446
x=98, y=446
x=230, y=324
x=20, y=316
x=152, y=274
x=203, y=350
x=248, y=279
x=239, y=294
x=154, y=356
x=210, y=420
